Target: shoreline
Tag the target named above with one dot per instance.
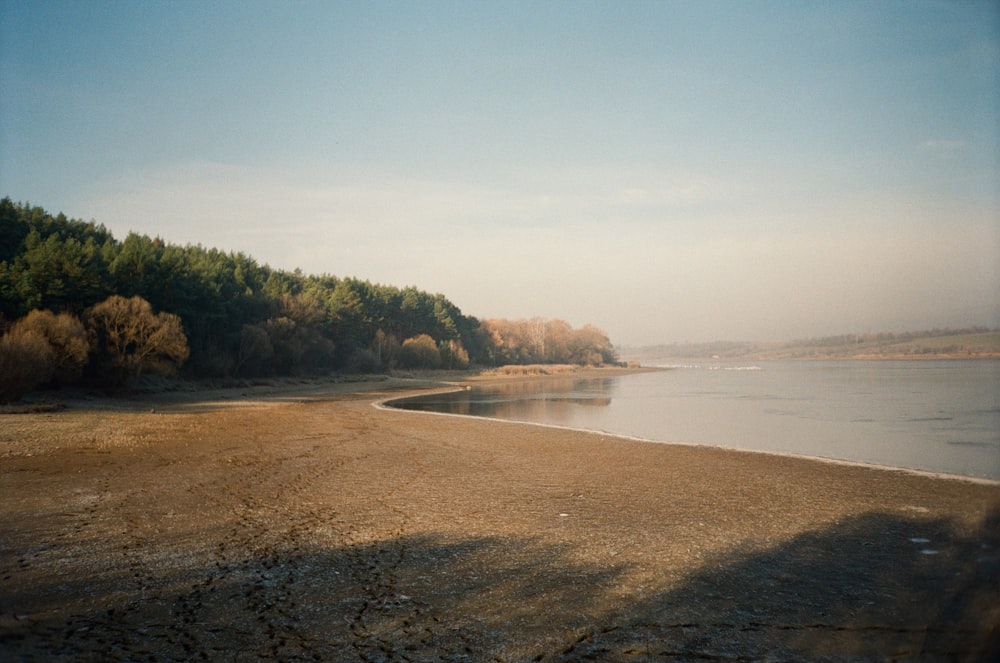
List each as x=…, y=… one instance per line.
x=315, y=525
x=985, y=356
x=385, y=405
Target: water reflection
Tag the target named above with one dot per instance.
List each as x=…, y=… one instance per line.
x=551, y=401
x=937, y=416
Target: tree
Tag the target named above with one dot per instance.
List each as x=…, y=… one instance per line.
x=131, y=340
x=297, y=336
x=553, y=341
x=420, y=352
x=26, y=361
x=13, y=230
x=255, y=350
x=228, y=304
x=386, y=348
x=453, y=355
x=67, y=339
x=347, y=317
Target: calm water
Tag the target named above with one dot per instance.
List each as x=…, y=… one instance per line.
x=942, y=416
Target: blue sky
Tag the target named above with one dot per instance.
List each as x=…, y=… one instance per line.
x=668, y=171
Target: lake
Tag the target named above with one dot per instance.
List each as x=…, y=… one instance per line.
x=934, y=415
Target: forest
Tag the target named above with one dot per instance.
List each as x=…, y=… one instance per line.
x=78, y=305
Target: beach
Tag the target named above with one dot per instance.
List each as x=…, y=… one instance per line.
x=306, y=524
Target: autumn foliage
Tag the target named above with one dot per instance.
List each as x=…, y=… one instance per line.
x=123, y=339
x=538, y=341
x=420, y=352
x=76, y=303
x=25, y=362
x=130, y=339
x=67, y=340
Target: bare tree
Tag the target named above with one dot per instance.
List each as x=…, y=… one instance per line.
x=552, y=341
x=66, y=337
x=26, y=361
x=134, y=340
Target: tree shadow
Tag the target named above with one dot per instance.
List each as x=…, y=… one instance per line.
x=875, y=587
x=879, y=586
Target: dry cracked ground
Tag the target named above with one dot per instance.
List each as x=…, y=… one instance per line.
x=312, y=526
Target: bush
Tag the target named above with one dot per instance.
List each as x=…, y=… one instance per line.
x=26, y=361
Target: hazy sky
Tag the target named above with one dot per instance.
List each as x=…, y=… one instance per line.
x=667, y=171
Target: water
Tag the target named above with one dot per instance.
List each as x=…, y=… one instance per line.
x=940, y=416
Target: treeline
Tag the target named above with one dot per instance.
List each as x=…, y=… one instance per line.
x=243, y=319
x=971, y=341
x=886, y=338
x=539, y=341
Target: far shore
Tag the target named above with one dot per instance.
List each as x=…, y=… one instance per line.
x=292, y=520
x=937, y=356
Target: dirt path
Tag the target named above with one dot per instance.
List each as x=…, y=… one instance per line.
x=329, y=530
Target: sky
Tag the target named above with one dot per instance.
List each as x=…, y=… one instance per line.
x=667, y=171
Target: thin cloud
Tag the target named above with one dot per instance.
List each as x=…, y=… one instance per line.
x=581, y=250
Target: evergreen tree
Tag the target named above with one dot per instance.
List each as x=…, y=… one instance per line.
x=240, y=317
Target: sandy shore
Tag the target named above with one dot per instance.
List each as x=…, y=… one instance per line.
x=305, y=524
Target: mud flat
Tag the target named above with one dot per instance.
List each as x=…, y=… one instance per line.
x=308, y=525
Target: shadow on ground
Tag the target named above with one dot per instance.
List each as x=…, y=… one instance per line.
x=881, y=586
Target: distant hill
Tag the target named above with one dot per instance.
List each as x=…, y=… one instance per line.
x=975, y=342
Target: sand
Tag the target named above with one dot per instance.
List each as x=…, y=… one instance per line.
x=306, y=524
